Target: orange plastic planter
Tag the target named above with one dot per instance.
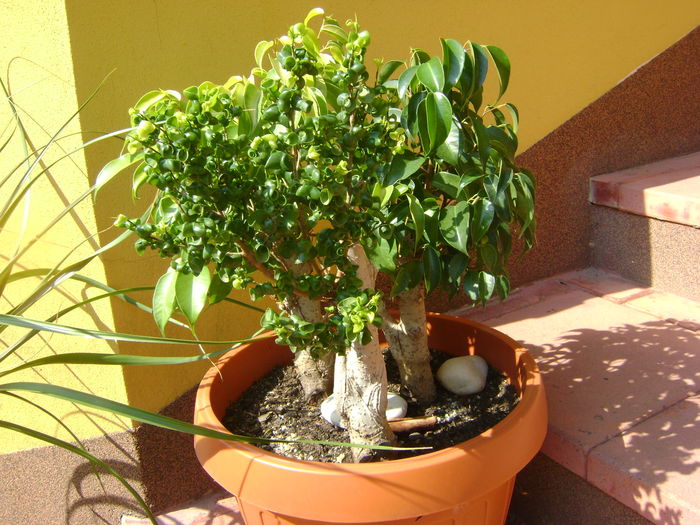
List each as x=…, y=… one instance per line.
x=467, y=484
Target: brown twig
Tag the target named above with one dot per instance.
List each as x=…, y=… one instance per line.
x=413, y=424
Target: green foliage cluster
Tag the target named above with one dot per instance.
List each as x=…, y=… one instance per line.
x=283, y=171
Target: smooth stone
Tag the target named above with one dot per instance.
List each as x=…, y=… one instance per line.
x=463, y=375
x=396, y=408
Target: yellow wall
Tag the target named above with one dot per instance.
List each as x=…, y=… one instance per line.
x=565, y=54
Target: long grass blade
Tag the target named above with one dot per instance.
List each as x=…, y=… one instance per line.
x=150, y=418
x=85, y=454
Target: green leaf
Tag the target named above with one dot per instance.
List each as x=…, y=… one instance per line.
x=138, y=180
x=260, y=50
x=503, y=286
x=434, y=120
x=409, y=115
x=218, y=290
x=431, y=75
x=500, y=59
x=316, y=11
x=489, y=255
x=448, y=183
x=454, y=225
x=383, y=253
x=482, y=139
x=471, y=285
x=483, y=217
x=153, y=97
x=408, y=276
x=458, y=263
x=114, y=167
x=481, y=65
x=502, y=142
x=405, y=80
x=164, y=298
x=453, y=58
x=432, y=265
x=418, y=217
x=487, y=284
x=387, y=70
x=191, y=293
x=515, y=117
x=453, y=148
x=402, y=167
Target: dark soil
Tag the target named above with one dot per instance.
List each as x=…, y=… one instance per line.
x=273, y=407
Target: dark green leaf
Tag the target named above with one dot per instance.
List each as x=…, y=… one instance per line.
x=453, y=58
x=418, y=217
x=432, y=265
x=387, y=70
x=218, y=290
x=448, y=183
x=500, y=59
x=489, y=255
x=483, y=217
x=502, y=142
x=434, y=120
x=431, y=75
x=471, y=285
x=503, y=286
x=432, y=224
x=458, y=263
x=481, y=65
x=409, y=115
x=402, y=167
x=454, y=225
x=482, y=139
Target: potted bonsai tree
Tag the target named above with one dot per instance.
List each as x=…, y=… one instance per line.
x=300, y=182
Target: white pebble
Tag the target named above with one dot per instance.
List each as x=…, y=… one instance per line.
x=463, y=375
x=395, y=409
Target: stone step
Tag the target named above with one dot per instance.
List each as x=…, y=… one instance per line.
x=621, y=367
x=646, y=224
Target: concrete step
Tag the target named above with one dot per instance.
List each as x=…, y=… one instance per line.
x=622, y=370
x=646, y=224
x=621, y=366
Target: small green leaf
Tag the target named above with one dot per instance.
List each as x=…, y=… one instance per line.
x=483, y=217
x=418, y=217
x=408, y=276
x=153, y=97
x=402, y=167
x=260, y=50
x=482, y=139
x=500, y=59
x=432, y=265
x=503, y=286
x=387, y=70
x=138, y=180
x=431, y=75
x=487, y=284
x=405, y=80
x=164, y=298
x=454, y=225
x=218, y=290
x=191, y=293
x=489, y=255
x=316, y=11
x=453, y=58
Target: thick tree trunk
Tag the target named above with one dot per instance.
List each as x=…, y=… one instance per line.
x=315, y=374
x=408, y=344
x=360, y=385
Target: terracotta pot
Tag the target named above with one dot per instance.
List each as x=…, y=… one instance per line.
x=470, y=483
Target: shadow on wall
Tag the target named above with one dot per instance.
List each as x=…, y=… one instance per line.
x=651, y=366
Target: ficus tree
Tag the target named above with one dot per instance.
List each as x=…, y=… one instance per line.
x=303, y=179
x=458, y=199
